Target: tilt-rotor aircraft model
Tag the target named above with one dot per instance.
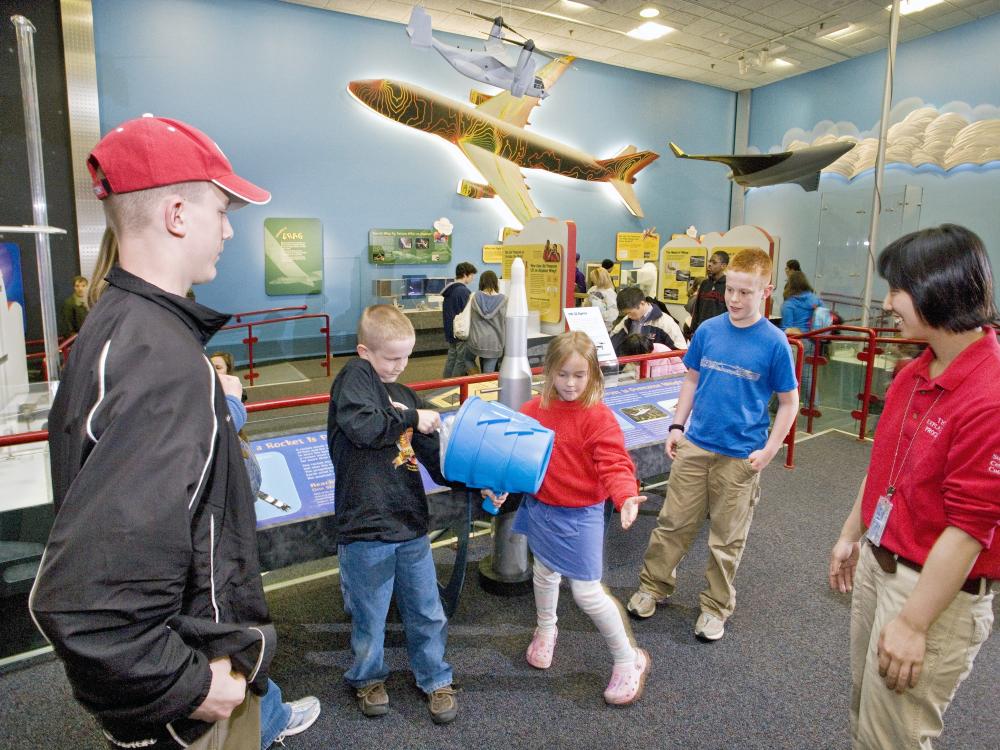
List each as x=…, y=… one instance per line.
x=490, y=66
x=492, y=136
x=801, y=166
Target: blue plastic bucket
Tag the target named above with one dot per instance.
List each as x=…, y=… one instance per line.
x=494, y=447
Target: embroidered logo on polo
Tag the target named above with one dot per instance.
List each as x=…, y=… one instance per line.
x=994, y=467
x=933, y=427
x=728, y=369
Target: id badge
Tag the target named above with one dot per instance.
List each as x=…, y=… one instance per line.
x=879, y=520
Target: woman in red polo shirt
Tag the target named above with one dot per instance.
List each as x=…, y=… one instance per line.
x=920, y=548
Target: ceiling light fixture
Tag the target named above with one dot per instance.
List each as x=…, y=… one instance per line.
x=832, y=31
x=649, y=12
x=784, y=62
x=915, y=6
x=649, y=31
x=573, y=5
x=743, y=65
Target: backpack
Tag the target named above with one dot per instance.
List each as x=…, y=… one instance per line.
x=821, y=317
x=463, y=322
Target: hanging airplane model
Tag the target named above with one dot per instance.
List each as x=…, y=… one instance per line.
x=491, y=66
x=492, y=136
x=801, y=166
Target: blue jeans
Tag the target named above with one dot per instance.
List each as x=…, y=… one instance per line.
x=274, y=715
x=369, y=571
x=488, y=364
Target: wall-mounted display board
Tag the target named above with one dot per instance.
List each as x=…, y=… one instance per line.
x=293, y=256
x=542, y=275
x=681, y=260
x=492, y=253
x=408, y=246
x=637, y=246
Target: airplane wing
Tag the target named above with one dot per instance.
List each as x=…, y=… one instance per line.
x=515, y=110
x=503, y=176
x=740, y=164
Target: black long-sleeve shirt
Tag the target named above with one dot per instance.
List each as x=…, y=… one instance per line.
x=374, y=447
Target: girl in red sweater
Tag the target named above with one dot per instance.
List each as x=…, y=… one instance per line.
x=564, y=520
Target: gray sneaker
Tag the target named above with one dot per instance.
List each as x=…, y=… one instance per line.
x=709, y=627
x=305, y=711
x=373, y=699
x=643, y=604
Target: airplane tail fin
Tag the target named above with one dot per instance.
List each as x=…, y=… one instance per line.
x=626, y=163
x=419, y=28
x=678, y=152
x=624, y=166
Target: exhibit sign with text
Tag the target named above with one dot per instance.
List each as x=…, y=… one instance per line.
x=637, y=246
x=293, y=256
x=542, y=277
x=681, y=265
x=408, y=246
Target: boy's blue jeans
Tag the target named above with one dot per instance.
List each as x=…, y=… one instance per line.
x=274, y=715
x=368, y=573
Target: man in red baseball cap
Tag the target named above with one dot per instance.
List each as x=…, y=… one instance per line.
x=150, y=589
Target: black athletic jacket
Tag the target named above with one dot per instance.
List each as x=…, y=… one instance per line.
x=374, y=448
x=151, y=566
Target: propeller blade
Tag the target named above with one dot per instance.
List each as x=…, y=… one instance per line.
x=494, y=19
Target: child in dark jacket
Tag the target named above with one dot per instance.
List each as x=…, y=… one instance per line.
x=377, y=430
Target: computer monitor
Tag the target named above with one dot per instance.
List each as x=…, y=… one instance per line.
x=413, y=286
x=435, y=285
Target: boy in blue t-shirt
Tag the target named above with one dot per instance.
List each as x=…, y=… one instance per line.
x=735, y=362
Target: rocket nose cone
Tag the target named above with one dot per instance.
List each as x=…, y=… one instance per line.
x=517, y=271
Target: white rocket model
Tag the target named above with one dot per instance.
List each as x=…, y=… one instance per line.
x=515, y=373
x=507, y=571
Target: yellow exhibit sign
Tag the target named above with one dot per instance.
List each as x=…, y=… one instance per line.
x=637, y=246
x=492, y=253
x=542, y=276
x=681, y=265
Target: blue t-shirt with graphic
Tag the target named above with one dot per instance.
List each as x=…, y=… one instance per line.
x=738, y=370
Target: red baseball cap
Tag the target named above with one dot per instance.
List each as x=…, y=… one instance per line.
x=150, y=152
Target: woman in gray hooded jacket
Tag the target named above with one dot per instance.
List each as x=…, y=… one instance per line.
x=487, y=324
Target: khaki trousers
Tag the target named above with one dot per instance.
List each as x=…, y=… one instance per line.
x=880, y=717
x=701, y=482
x=241, y=731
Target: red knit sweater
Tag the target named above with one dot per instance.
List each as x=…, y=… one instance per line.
x=589, y=462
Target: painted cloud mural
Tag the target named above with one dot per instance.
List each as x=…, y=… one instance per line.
x=921, y=136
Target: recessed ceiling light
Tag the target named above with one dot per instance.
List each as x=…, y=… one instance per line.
x=649, y=31
x=575, y=6
x=832, y=31
x=915, y=6
x=784, y=62
x=649, y=12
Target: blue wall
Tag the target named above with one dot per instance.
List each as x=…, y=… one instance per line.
x=955, y=65
x=268, y=80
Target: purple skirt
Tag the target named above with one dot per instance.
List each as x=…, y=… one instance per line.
x=569, y=541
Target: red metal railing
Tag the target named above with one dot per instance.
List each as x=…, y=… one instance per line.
x=238, y=317
x=64, y=347
x=250, y=339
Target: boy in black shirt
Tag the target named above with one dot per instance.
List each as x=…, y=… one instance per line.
x=377, y=429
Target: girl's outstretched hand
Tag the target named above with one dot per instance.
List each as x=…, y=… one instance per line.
x=630, y=509
x=497, y=501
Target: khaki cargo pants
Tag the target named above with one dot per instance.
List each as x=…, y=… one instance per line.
x=701, y=482
x=241, y=731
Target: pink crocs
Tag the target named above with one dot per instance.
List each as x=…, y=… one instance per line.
x=628, y=680
x=540, y=650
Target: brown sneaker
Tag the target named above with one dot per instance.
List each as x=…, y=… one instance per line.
x=442, y=704
x=373, y=700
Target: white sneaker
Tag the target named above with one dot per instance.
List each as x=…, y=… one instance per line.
x=643, y=604
x=709, y=627
x=305, y=711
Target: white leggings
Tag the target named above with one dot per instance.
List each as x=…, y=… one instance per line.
x=589, y=596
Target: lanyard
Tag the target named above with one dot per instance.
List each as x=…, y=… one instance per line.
x=893, y=472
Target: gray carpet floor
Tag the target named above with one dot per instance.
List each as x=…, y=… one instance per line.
x=778, y=679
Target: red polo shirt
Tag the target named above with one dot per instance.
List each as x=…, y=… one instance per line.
x=952, y=474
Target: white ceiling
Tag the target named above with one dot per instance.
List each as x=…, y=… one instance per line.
x=709, y=36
